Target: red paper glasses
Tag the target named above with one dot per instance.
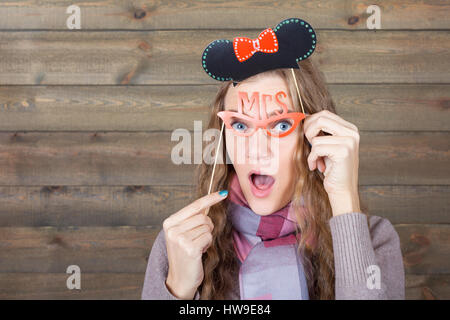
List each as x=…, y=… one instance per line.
x=277, y=126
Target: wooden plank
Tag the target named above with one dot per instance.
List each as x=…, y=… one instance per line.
x=427, y=287
x=173, y=57
x=110, y=14
x=425, y=248
x=144, y=158
x=98, y=286
x=91, y=206
x=104, y=108
x=129, y=286
x=392, y=107
x=93, y=249
x=408, y=204
x=65, y=158
x=150, y=205
x=399, y=158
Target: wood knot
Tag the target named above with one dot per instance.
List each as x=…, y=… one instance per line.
x=143, y=45
x=16, y=137
x=134, y=189
x=428, y=294
x=353, y=20
x=417, y=248
x=58, y=241
x=95, y=136
x=139, y=14
x=53, y=189
x=420, y=239
x=444, y=103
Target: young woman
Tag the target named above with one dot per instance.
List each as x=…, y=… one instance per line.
x=290, y=229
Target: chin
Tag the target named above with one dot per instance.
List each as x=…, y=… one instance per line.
x=262, y=206
x=262, y=210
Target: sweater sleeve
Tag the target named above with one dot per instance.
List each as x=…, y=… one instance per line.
x=368, y=263
x=155, y=287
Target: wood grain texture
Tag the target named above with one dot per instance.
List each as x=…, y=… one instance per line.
x=393, y=107
x=173, y=57
x=427, y=287
x=129, y=286
x=144, y=158
x=94, y=286
x=110, y=14
x=83, y=206
x=91, y=206
x=86, y=119
x=425, y=248
x=93, y=249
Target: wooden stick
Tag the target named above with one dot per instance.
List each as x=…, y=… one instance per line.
x=215, y=161
x=298, y=91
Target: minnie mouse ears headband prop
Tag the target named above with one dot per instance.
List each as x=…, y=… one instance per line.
x=292, y=40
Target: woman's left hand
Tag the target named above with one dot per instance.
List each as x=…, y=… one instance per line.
x=336, y=156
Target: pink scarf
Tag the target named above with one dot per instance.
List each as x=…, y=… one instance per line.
x=270, y=267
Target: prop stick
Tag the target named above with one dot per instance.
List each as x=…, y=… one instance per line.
x=298, y=91
x=214, y=167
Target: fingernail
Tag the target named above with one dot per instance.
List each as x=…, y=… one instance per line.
x=223, y=193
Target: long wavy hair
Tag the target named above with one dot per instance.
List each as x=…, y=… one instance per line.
x=315, y=244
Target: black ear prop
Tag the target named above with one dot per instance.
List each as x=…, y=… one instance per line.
x=295, y=40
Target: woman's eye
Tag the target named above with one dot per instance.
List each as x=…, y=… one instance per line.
x=238, y=126
x=283, y=126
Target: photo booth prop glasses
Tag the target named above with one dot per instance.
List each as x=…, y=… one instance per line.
x=277, y=126
x=291, y=41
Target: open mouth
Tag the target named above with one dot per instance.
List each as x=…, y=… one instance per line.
x=261, y=181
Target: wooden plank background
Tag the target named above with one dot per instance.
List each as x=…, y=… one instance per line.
x=86, y=118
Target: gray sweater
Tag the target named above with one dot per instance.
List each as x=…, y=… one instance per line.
x=361, y=256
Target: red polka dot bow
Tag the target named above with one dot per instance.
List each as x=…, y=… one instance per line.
x=266, y=42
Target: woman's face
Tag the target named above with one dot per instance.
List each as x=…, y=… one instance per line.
x=272, y=157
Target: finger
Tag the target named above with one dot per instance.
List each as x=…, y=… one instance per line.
x=330, y=126
x=345, y=143
x=331, y=115
x=193, y=208
x=320, y=164
x=203, y=241
x=328, y=165
x=336, y=140
x=323, y=150
x=327, y=125
x=193, y=222
x=198, y=231
x=342, y=140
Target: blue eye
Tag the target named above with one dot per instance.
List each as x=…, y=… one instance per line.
x=238, y=126
x=283, y=125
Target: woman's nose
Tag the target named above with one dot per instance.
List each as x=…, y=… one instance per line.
x=259, y=146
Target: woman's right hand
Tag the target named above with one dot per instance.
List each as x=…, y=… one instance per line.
x=188, y=235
